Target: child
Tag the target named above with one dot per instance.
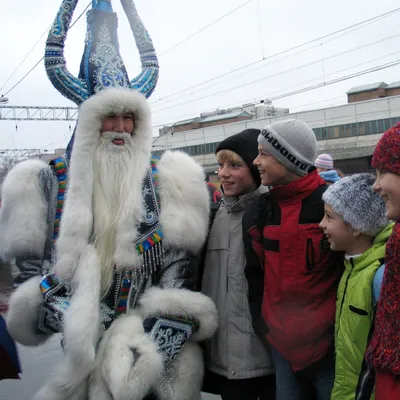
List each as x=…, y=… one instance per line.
x=384, y=349
x=354, y=223
x=238, y=363
x=292, y=277
x=324, y=165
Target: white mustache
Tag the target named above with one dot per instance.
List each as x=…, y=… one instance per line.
x=110, y=136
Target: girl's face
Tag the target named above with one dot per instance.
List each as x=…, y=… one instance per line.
x=387, y=185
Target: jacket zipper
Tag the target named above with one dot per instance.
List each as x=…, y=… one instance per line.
x=310, y=255
x=344, y=294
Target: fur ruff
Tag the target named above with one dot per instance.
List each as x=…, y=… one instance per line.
x=128, y=364
x=23, y=214
x=182, y=303
x=184, y=201
x=183, y=193
x=185, y=379
x=81, y=321
x=22, y=315
x=77, y=220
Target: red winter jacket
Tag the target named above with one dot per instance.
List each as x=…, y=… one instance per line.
x=292, y=293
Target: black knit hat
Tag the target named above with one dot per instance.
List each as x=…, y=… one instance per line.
x=245, y=145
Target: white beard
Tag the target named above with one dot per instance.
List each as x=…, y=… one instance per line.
x=114, y=175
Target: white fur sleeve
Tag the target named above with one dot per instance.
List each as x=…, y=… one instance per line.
x=185, y=203
x=23, y=214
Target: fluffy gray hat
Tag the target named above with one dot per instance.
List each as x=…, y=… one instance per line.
x=292, y=142
x=354, y=200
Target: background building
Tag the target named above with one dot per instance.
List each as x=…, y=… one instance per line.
x=373, y=91
x=226, y=116
x=349, y=132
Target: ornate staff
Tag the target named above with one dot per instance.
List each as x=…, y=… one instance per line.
x=101, y=64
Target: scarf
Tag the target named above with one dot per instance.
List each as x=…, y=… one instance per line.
x=384, y=349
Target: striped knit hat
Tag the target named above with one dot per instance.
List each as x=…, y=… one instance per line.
x=387, y=152
x=324, y=161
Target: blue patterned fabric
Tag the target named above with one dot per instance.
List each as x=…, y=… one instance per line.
x=169, y=334
x=102, y=65
x=55, y=302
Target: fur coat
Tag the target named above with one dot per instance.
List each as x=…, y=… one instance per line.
x=124, y=363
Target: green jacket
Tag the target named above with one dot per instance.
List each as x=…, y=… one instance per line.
x=354, y=311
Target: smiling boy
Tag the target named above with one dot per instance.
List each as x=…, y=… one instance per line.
x=291, y=273
x=239, y=365
x=354, y=223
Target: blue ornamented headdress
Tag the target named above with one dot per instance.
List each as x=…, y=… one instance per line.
x=101, y=66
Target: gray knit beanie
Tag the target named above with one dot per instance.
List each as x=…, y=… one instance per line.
x=292, y=142
x=355, y=201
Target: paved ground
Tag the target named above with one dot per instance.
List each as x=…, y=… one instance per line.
x=37, y=363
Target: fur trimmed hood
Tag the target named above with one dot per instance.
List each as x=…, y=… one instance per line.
x=183, y=193
x=77, y=220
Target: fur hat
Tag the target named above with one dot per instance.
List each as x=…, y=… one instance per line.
x=245, y=145
x=355, y=201
x=293, y=143
x=387, y=152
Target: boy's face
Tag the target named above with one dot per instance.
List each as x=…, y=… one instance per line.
x=272, y=172
x=235, y=178
x=340, y=234
x=387, y=185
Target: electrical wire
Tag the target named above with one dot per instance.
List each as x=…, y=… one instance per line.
x=287, y=71
x=327, y=83
x=204, y=28
x=24, y=77
x=258, y=80
x=23, y=60
x=341, y=32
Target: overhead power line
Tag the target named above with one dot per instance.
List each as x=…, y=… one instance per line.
x=258, y=80
x=276, y=74
x=23, y=60
x=161, y=54
x=340, y=32
x=317, y=86
x=23, y=78
x=204, y=28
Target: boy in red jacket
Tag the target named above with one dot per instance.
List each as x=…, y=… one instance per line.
x=292, y=292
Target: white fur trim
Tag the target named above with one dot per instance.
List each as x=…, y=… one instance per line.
x=23, y=214
x=182, y=303
x=23, y=311
x=81, y=328
x=125, y=377
x=77, y=221
x=82, y=319
x=185, y=379
x=185, y=202
x=63, y=384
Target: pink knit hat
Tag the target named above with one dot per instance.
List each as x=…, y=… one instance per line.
x=324, y=161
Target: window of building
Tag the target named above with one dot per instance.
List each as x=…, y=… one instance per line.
x=361, y=128
x=374, y=127
x=381, y=126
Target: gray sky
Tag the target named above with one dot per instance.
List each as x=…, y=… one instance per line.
x=243, y=37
